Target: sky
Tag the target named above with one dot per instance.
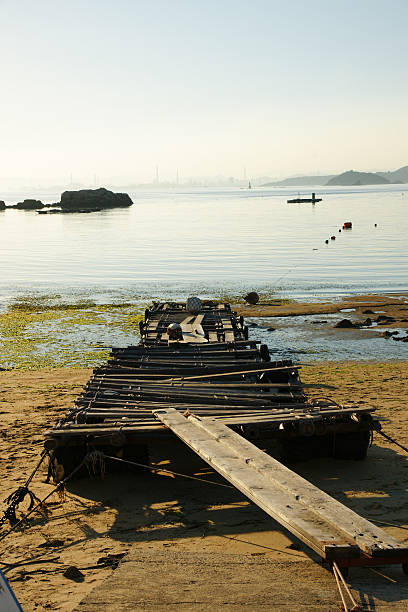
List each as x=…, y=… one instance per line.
x=106, y=90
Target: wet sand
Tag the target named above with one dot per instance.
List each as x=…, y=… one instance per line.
x=148, y=514
x=392, y=305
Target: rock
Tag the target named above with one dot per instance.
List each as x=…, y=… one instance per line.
x=345, y=324
x=384, y=319
x=73, y=573
x=111, y=560
x=86, y=199
x=386, y=334
x=270, y=329
x=404, y=339
x=367, y=322
x=28, y=205
x=368, y=311
x=252, y=297
x=2, y=205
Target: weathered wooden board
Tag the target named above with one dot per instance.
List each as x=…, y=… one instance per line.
x=326, y=525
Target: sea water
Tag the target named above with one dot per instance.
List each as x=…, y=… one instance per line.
x=205, y=241
x=175, y=243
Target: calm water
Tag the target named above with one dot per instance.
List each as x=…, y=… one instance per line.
x=172, y=243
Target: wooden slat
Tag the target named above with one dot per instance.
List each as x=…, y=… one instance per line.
x=280, y=492
x=327, y=542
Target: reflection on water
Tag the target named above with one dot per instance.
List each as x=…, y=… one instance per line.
x=171, y=243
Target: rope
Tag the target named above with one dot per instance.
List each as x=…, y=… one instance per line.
x=344, y=589
x=324, y=397
x=404, y=448
x=18, y=496
x=95, y=462
x=159, y=469
x=60, y=488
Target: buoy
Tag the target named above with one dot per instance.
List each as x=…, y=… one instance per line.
x=339, y=230
x=174, y=331
x=375, y=225
x=252, y=297
x=326, y=241
x=347, y=225
x=332, y=237
x=193, y=305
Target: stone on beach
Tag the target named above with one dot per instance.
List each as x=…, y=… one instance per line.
x=2, y=205
x=252, y=298
x=94, y=198
x=345, y=324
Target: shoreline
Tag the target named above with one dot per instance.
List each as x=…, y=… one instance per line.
x=42, y=333
x=395, y=305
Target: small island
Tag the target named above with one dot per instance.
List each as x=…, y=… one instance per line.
x=83, y=200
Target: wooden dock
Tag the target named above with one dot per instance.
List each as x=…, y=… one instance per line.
x=219, y=392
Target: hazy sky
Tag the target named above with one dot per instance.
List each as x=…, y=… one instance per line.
x=114, y=87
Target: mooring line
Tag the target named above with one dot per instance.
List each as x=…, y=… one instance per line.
x=404, y=448
x=159, y=469
x=60, y=485
x=343, y=588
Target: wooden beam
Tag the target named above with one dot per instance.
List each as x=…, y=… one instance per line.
x=326, y=525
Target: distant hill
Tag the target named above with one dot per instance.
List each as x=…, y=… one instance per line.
x=352, y=178
x=397, y=176
x=346, y=179
x=299, y=181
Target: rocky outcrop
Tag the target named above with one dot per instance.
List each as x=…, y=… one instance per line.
x=93, y=199
x=2, y=205
x=28, y=205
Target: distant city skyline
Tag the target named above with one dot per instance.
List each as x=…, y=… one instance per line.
x=138, y=92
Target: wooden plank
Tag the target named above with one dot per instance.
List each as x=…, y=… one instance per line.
x=300, y=506
x=326, y=541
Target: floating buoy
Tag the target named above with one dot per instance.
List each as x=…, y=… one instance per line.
x=339, y=230
x=326, y=241
x=375, y=225
x=347, y=225
x=332, y=237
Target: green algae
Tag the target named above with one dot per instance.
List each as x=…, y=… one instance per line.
x=45, y=332
x=51, y=331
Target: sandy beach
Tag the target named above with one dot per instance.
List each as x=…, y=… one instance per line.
x=146, y=514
